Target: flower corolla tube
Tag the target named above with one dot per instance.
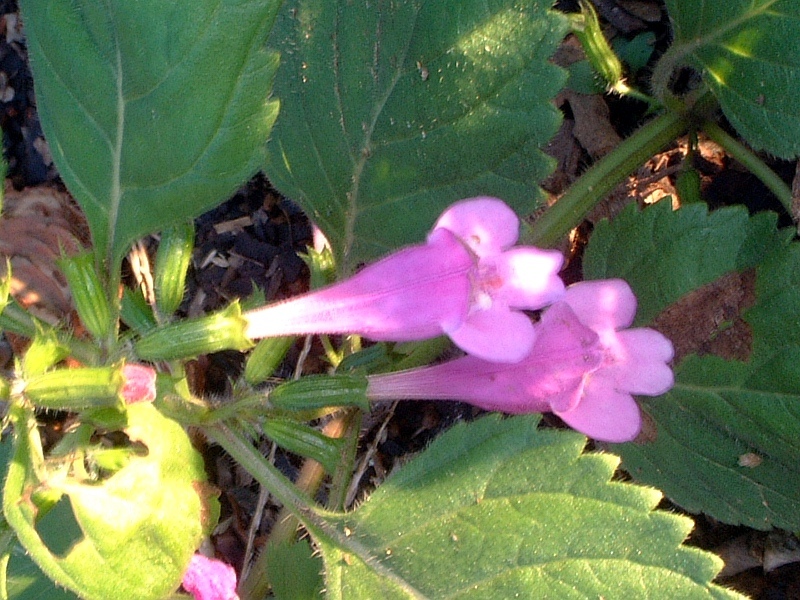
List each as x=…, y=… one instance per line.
x=585, y=367
x=467, y=281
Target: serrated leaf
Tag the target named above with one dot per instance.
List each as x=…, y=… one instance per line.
x=728, y=434
x=724, y=446
x=390, y=111
x=157, y=111
x=664, y=254
x=142, y=524
x=499, y=509
x=749, y=54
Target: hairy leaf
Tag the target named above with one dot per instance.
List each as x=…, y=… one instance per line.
x=499, y=509
x=727, y=437
x=392, y=110
x=749, y=54
x=154, y=111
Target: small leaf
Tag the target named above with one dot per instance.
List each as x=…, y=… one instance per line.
x=391, y=111
x=749, y=54
x=719, y=410
x=499, y=509
x=157, y=112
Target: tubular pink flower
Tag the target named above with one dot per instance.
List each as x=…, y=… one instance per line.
x=584, y=367
x=464, y=281
x=210, y=579
x=140, y=383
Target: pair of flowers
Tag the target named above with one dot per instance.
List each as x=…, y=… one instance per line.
x=469, y=281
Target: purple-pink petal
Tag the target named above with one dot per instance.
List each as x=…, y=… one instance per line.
x=641, y=362
x=604, y=412
x=139, y=383
x=210, y=579
x=412, y=294
x=603, y=305
x=528, y=276
x=497, y=334
x=486, y=225
x=583, y=366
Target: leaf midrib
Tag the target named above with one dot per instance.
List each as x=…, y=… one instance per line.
x=115, y=193
x=364, y=152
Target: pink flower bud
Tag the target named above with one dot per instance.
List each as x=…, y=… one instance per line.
x=210, y=579
x=140, y=383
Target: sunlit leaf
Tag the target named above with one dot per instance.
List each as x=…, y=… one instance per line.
x=499, y=509
x=749, y=54
x=128, y=536
x=154, y=111
x=390, y=111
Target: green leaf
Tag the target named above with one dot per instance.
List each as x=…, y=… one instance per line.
x=157, y=112
x=749, y=54
x=499, y=509
x=294, y=571
x=728, y=434
x=391, y=111
x=726, y=446
x=136, y=530
x=664, y=254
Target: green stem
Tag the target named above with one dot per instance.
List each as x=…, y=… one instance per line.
x=751, y=161
x=603, y=176
x=256, y=585
x=243, y=452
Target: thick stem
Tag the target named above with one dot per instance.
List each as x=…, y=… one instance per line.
x=603, y=176
x=751, y=161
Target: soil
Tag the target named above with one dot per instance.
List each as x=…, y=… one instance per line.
x=253, y=240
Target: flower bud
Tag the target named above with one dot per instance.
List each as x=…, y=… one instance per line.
x=223, y=330
x=265, y=358
x=76, y=389
x=586, y=28
x=139, y=383
x=319, y=391
x=172, y=263
x=88, y=293
x=305, y=441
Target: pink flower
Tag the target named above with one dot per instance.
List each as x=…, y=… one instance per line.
x=584, y=367
x=140, y=383
x=210, y=579
x=464, y=282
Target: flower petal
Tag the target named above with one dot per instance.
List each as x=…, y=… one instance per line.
x=529, y=277
x=604, y=413
x=642, y=365
x=603, y=305
x=497, y=334
x=487, y=225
